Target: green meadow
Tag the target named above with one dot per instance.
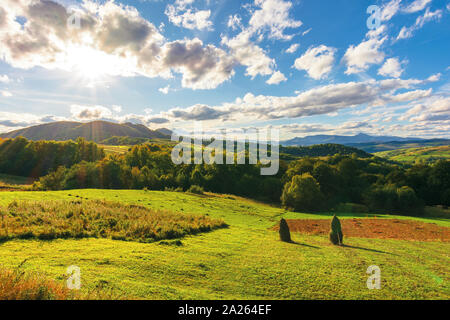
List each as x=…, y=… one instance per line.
x=246, y=260
x=411, y=155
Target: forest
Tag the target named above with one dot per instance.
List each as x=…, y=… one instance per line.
x=308, y=183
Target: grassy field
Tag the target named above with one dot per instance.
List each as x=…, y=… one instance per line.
x=244, y=261
x=412, y=155
x=114, y=149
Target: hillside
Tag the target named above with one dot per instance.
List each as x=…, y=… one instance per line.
x=394, y=145
x=411, y=155
x=93, y=131
x=320, y=150
x=345, y=140
x=244, y=261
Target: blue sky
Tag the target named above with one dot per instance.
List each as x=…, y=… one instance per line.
x=305, y=67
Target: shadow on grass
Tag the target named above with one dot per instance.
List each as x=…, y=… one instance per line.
x=367, y=249
x=303, y=244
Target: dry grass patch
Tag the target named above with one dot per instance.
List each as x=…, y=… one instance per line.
x=375, y=228
x=47, y=220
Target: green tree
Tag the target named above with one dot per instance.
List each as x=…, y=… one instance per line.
x=302, y=193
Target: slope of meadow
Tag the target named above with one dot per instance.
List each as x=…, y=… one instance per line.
x=244, y=261
x=414, y=154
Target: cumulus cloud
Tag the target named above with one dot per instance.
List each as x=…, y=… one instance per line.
x=316, y=61
x=435, y=109
x=90, y=112
x=268, y=17
x=189, y=18
x=321, y=100
x=203, y=67
x=6, y=94
x=250, y=55
x=359, y=58
x=391, y=68
x=407, y=32
x=110, y=33
x=13, y=121
x=273, y=16
x=294, y=47
x=276, y=78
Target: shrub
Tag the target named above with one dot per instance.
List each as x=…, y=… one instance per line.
x=302, y=193
x=196, y=189
x=285, y=234
x=336, y=236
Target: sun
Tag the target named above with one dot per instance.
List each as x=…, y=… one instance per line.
x=90, y=64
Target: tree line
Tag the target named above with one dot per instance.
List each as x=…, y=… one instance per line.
x=22, y=157
x=306, y=184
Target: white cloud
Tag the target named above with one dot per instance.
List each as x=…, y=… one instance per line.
x=407, y=32
x=90, y=112
x=273, y=16
x=326, y=99
x=164, y=90
x=203, y=67
x=113, y=39
x=317, y=61
x=415, y=6
x=391, y=68
x=117, y=108
x=294, y=47
x=235, y=22
x=6, y=94
x=250, y=55
x=276, y=78
x=359, y=58
x=390, y=9
x=435, y=109
x=4, y=79
x=189, y=18
x=306, y=32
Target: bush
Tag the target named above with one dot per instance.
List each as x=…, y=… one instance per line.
x=285, y=234
x=336, y=236
x=196, y=189
x=302, y=193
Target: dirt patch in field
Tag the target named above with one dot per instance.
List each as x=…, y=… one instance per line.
x=374, y=228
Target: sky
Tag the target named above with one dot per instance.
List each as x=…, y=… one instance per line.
x=305, y=67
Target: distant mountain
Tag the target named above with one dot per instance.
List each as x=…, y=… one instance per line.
x=395, y=145
x=94, y=131
x=345, y=140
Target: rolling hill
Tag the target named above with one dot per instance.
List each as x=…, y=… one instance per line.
x=395, y=145
x=94, y=131
x=427, y=154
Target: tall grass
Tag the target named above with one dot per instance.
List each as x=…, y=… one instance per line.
x=19, y=285
x=47, y=220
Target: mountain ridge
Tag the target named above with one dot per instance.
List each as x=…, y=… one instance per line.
x=345, y=140
x=94, y=131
